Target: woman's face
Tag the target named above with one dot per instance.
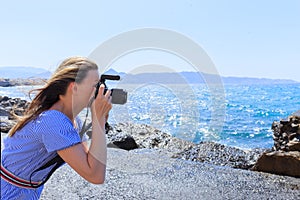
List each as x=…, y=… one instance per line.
x=85, y=89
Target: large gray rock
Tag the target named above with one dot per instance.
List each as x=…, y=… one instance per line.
x=285, y=158
x=280, y=162
x=122, y=141
x=286, y=132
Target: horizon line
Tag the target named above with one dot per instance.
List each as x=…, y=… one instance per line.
x=123, y=72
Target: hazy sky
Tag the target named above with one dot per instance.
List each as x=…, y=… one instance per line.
x=243, y=38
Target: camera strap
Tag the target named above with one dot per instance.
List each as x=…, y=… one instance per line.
x=56, y=162
x=15, y=180
x=84, y=128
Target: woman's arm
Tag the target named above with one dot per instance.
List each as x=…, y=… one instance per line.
x=84, y=163
x=91, y=164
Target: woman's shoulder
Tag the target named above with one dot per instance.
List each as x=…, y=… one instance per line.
x=53, y=115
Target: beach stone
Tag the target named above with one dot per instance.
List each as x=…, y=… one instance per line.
x=4, y=98
x=294, y=146
x=3, y=111
x=122, y=141
x=6, y=125
x=279, y=162
x=218, y=154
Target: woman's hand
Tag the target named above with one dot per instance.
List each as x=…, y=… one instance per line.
x=101, y=106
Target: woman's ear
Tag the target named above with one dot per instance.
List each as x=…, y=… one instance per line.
x=73, y=87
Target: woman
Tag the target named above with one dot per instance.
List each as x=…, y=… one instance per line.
x=48, y=133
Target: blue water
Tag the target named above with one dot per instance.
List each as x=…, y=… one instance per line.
x=235, y=115
x=240, y=116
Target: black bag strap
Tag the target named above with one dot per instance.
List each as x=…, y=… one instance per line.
x=57, y=161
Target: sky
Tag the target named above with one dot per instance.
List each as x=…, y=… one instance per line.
x=242, y=38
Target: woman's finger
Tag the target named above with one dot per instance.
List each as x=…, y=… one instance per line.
x=101, y=89
x=107, y=94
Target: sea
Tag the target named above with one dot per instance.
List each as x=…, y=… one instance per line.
x=234, y=115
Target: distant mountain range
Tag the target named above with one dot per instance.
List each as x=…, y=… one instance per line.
x=193, y=78
x=163, y=78
x=24, y=72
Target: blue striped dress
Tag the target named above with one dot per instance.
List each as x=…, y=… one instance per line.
x=34, y=145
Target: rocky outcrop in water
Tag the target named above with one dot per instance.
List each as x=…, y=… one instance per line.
x=285, y=157
x=7, y=105
x=6, y=82
x=286, y=133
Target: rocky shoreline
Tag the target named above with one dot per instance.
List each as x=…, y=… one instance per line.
x=156, y=160
x=141, y=136
x=136, y=136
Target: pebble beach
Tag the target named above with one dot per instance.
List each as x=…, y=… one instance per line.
x=152, y=174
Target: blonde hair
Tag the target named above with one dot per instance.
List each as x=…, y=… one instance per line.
x=73, y=69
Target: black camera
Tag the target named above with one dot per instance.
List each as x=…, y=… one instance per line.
x=118, y=96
